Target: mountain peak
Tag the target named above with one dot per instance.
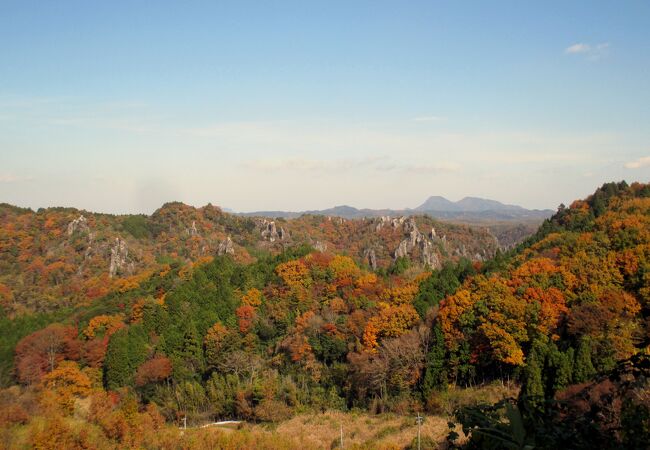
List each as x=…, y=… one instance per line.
x=467, y=204
x=437, y=203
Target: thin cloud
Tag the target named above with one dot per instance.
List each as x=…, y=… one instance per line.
x=379, y=164
x=302, y=164
x=421, y=169
x=639, y=163
x=578, y=48
x=591, y=52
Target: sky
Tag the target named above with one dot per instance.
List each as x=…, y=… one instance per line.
x=122, y=106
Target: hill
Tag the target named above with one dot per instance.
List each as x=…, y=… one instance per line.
x=62, y=256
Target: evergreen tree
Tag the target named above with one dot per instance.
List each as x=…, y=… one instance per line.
x=193, y=349
x=116, y=362
x=435, y=376
x=583, y=369
x=533, y=392
x=560, y=368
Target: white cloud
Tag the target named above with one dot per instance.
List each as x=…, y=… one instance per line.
x=578, y=48
x=639, y=163
x=591, y=52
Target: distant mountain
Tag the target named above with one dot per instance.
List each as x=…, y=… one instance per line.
x=467, y=210
x=438, y=203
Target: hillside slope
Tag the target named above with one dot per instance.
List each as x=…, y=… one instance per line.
x=62, y=256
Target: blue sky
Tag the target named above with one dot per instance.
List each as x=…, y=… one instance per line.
x=121, y=106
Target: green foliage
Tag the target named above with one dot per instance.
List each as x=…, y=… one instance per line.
x=441, y=283
x=127, y=349
x=435, y=375
x=328, y=349
x=583, y=368
x=137, y=226
x=399, y=266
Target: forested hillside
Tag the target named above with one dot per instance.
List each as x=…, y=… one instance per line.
x=61, y=257
x=263, y=336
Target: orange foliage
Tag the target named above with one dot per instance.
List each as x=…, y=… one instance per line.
x=245, y=316
x=103, y=324
x=391, y=321
x=67, y=382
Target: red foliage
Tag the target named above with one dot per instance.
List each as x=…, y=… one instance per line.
x=245, y=315
x=42, y=350
x=156, y=369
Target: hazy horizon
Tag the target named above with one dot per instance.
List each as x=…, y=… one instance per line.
x=119, y=107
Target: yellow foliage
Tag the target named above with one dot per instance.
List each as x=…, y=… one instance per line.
x=294, y=273
x=253, y=297
x=344, y=267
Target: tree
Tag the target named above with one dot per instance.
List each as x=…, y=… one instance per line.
x=533, y=392
x=583, y=369
x=213, y=343
x=117, y=370
x=157, y=369
x=435, y=375
x=40, y=352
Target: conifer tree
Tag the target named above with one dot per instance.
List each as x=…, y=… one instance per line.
x=116, y=363
x=435, y=377
x=583, y=368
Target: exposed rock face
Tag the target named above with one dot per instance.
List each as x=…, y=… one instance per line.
x=416, y=241
x=79, y=224
x=271, y=233
x=192, y=231
x=120, y=262
x=394, y=222
x=226, y=247
x=371, y=257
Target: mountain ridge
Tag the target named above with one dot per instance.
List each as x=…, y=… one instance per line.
x=468, y=209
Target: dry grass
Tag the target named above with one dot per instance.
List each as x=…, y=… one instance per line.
x=386, y=431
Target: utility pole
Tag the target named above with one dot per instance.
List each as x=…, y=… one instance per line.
x=419, y=420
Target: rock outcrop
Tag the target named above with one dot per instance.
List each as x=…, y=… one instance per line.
x=226, y=247
x=192, y=231
x=78, y=225
x=416, y=241
x=120, y=262
x=271, y=233
x=370, y=256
